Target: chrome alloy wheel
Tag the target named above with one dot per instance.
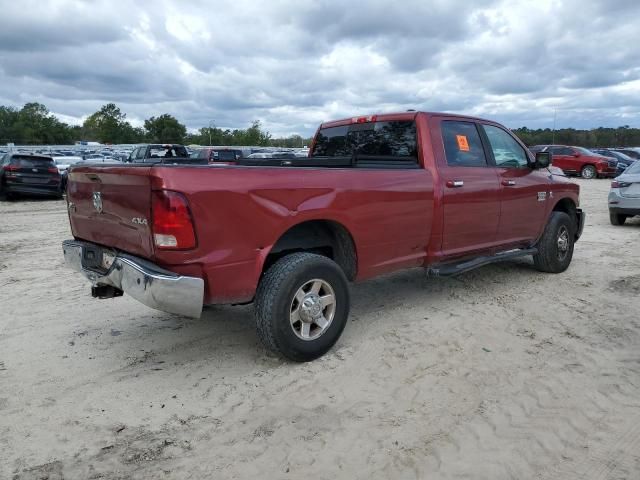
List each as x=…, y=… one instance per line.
x=312, y=309
x=563, y=243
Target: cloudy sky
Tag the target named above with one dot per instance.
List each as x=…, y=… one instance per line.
x=294, y=63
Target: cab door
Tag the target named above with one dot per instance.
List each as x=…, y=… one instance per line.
x=523, y=191
x=470, y=188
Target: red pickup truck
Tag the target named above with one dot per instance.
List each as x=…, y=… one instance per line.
x=377, y=194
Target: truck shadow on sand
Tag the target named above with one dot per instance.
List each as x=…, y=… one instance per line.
x=226, y=334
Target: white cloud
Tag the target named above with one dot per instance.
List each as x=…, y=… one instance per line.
x=293, y=64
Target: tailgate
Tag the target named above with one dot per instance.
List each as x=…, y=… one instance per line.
x=111, y=206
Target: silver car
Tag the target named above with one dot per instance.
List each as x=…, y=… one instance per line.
x=624, y=197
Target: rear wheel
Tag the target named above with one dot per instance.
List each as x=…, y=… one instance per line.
x=589, y=171
x=555, y=248
x=617, y=219
x=301, y=306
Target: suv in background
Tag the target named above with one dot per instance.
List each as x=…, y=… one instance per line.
x=631, y=152
x=624, y=161
x=29, y=174
x=579, y=161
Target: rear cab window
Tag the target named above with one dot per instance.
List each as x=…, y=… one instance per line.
x=462, y=144
x=390, y=144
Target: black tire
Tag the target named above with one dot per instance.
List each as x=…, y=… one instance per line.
x=589, y=172
x=275, y=301
x=555, y=248
x=617, y=219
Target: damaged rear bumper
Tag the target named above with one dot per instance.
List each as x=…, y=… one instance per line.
x=149, y=284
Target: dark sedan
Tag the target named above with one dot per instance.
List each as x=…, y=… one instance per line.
x=29, y=174
x=624, y=161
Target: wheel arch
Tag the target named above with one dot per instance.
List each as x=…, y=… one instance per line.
x=568, y=206
x=326, y=237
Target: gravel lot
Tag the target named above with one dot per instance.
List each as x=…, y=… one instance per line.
x=501, y=373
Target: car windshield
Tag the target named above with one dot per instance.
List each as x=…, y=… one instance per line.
x=584, y=151
x=67, y=161
x=34, y=162
x=167, y=151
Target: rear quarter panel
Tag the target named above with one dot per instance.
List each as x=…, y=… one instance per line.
x=241, y=212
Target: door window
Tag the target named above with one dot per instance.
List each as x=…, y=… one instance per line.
x=507, y=152
x=462, y=144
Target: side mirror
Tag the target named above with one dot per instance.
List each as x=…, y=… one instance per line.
x=543, y=160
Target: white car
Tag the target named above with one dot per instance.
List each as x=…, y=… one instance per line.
x=624, y=197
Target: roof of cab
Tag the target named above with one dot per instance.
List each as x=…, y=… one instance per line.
x=395, y=116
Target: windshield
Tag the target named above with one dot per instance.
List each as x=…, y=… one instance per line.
x=67, y=161
x=33, y=162
x=161, y=151
x=585, y=151
x=389, y=139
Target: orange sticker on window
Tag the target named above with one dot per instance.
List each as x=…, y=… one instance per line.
x=463, y=144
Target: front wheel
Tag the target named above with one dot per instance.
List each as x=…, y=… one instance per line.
x=301, y=306
x=589, y=171
x=555, y=248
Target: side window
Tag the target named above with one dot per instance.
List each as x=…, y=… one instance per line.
x=141, y=152
x=563, y=151
x=507, y=152
x=132, y=155
x=462, y=144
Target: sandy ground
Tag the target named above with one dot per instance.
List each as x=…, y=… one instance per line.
x=501, y=373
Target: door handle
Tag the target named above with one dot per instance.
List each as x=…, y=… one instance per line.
x=455, y=183
x=508, y=183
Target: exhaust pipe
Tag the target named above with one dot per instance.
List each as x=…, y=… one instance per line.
x=105, y=291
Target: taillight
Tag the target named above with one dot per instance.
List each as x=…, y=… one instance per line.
x=618, y=184
x=11, y=168
x=52, y=170
x=171, y=221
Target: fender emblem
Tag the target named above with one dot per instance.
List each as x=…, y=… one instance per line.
x=139, y=221
x=542, y=196
x=97, y=201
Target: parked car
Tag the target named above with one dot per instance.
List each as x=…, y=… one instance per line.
x=29, y=174
x=624, y=161
x=156, y=153
x=631, y=152
x=63, y=164
x=579, y=161
x=624, y=197
x=377, y=194
x=220, y=155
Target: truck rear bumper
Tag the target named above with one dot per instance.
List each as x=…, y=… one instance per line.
x=149, y=284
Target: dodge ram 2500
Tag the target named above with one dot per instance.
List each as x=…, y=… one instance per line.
x=377, y=194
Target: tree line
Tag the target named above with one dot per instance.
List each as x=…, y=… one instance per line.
x=34, y=124
x=596, y=137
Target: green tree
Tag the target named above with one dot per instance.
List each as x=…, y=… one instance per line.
x=165, y=129
x=107, y=125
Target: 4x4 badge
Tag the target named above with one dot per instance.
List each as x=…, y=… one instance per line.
x=542, y=196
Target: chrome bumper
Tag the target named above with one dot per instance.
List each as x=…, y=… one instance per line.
x=149, y=284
